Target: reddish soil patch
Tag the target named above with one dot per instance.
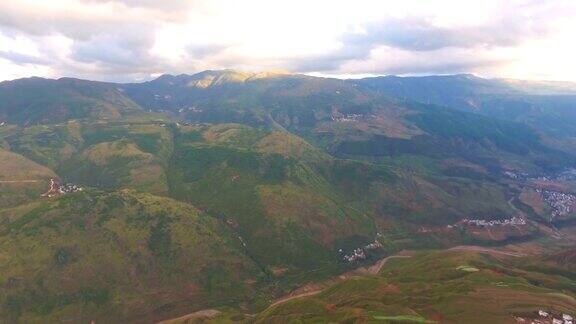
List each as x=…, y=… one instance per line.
x=391, y=289
x=278, y=271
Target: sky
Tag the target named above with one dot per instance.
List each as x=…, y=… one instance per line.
x=134, y=40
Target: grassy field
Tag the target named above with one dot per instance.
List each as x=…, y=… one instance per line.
x=435, y=287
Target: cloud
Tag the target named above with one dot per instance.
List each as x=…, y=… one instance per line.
x=19, y=58
x=134, y=39
x=420, y=36
x=128, y=48
x=391, y=60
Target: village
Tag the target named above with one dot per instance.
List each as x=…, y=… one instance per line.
x=516, y=175
x=161, y=97
x=561, y=203
x=515, y=221
x=57, y=189
x=359, y=254
x=338, y=117
x=545, y=317
x=566, y=175
x=192, y=109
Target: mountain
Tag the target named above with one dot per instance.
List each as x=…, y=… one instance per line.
x=37, y=101
x=121, y=256
x=228, y=190
x=546, y=106
x=359, y=119
x=21, y=179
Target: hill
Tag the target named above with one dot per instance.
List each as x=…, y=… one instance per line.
x=121, y=256
x=546, y=106
x=60, y=100
x=21, y=180
x=435, y=287
x=359, y=118
x=229, y=189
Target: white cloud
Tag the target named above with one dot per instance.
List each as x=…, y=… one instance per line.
x=136, y=39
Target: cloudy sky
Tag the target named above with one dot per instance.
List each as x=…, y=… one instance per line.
x=131, y=40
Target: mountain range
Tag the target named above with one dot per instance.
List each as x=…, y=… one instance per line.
x=229, y=190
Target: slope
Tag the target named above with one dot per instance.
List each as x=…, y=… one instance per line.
x=547, y=106
x=116, y=257
x=435, y=287
x=21, y=179
x=36, y=100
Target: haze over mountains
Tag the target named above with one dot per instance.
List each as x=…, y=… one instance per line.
x=228, y=189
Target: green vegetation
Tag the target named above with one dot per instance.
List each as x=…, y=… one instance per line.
x=21, y=180
x=60, y=100
x=429, y=288
x=256, y=185
x=107, y=256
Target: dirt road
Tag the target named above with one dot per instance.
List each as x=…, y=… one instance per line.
x=480, y=249
x=207, y=313
x=306, y=294
x=375, y=268
x=363, y=271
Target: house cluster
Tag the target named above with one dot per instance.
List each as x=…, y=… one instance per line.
x=497, y=222
x=57, y=189
x=549, y=317
x=561, y=203
x=242, y=241
x=338, y=117
x=356, y=255
x=160, y=97
x=192, y=109
x=69, y=188
x=568, y=175
x=516, y=175
x=546, y=317
x=360, y=253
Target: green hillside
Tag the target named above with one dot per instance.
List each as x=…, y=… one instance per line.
x=21, y=180
x=547, y=106
x=61, y=100
x=116, y=256
x=371, y=118
x=435, y=287
x=227, y=190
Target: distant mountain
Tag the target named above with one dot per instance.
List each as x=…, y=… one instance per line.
x=39, y=101
x=546, y=106
x=375, y=116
